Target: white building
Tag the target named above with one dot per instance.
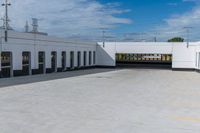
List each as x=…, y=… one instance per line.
x=32, y=53
x=183, y=56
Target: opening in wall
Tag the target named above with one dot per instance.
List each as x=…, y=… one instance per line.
x=54, y=61
x=71, y=59
x=94, y=57
x=6, y=64
x=64, y=60
x=90, y=58
x=41, y=62
x=26, y=63
x=79, y=59
x=144, y=60
x=85, y=58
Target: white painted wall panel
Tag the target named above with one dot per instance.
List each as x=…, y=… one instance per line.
x=59, y=59
x=144, y=47
x=19, y=42
x=106, y=55
x=183, y=56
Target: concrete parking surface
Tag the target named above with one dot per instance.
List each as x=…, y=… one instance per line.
x=112, y=101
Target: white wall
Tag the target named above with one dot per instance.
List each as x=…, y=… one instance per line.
x=19, y=42
x=144, y=47
x=183, y=56
x=106, y=55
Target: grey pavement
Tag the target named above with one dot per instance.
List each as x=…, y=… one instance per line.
x=114, y=101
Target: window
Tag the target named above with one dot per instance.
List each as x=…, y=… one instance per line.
x=71, y=59
x=54, y=61
x=94, y=57
x=41, y=62
x=79, y=59
x=64, y=60
x=90, y=58
x=6, y=64
x=26, y=63
x=85, y=58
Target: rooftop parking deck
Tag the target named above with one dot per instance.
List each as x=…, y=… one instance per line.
x=102, y=101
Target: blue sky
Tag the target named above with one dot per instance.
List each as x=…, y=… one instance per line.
x=146, y=14
x=87, y=18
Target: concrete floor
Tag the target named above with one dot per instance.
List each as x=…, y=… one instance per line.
x=120, y=101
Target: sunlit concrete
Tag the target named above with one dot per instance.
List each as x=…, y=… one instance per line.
x=120, y=101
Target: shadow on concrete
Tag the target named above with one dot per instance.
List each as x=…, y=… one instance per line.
x=5, y=82
x=140, y=65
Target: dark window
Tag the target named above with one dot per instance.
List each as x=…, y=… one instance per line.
x=54, y=61
x=94, y=57
x=72, y=59
x=79, y=59
x=41, y=62
x=64, y=60
x=6, y=64
x=26, y=63
x=90, y=58
x=85, y=58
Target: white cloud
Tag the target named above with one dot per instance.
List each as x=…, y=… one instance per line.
x=66, y=17
x=174, y=26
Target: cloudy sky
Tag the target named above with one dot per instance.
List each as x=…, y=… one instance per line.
x=120, y=18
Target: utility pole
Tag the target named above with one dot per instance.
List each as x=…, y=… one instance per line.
x=26, y=27
x=103, y=29
x=188, y=34
x=155, y=38
x=6, y=19
x=103, y=33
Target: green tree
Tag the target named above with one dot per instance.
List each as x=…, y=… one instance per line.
x=176, y=39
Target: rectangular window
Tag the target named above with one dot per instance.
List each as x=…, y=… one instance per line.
x=79, y=59
x=94, y=57
x=90, y=58
x=71, y=59
x=6, y=64
x=85, y=58
x=63, y=60
x=41, y=62
x=54, y=61
x=26, y=63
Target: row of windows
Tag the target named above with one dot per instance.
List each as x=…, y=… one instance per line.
x=6, y=57
x=88, y=57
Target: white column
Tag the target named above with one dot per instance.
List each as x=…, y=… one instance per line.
x=68, y=59
x=48, y=59
x=75, y=59
x=17, y=60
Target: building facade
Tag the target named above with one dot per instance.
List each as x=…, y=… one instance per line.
x=32, y=53
x=181, y=55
